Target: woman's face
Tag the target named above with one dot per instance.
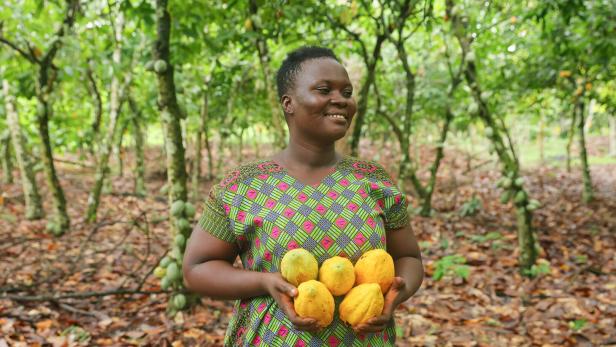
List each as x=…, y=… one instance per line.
x=320, y=105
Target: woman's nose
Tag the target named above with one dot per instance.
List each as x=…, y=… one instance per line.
x=338, y=99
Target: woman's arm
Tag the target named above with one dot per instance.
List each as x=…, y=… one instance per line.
x=208, y=270
x=403, y=248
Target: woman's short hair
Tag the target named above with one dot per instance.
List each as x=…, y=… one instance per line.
x=291, y=66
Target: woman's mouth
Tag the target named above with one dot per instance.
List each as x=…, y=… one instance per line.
x=336, y=116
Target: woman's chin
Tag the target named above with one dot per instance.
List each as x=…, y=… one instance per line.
x=338, y=135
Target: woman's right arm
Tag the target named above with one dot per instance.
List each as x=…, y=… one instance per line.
x=208, y=270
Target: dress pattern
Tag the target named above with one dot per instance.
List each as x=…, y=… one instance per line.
x=266, y=212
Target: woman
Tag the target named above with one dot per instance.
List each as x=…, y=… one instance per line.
x=308, y=196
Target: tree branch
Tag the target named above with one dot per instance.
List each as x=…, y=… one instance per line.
x=67, y=23
x=30, y=58
x=354, y=35
x=79, y=295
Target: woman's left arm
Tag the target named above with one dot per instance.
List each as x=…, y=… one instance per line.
x=402, y=246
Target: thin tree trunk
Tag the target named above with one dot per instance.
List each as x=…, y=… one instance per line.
x=171, y=118
x=426, y=206
x=362, y=106
x=115, y=104
x=587, y=194
x=119, y=151
x=59, y=221
x=210, y=159
x=612, y=136
x=509, y=163
x=240, y=146
x=7, y=162
x=221, y=152
x=406, y=166
x=278, y=120
x=196, y=173
x=511, y=169
x=139, y=187
x=34, y=207
x=196, y=168
x=98, y=107
x=570, y=136
x=255, y=142
x=540, y=141
x=46, y=75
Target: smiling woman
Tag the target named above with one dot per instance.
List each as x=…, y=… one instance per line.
x=316, y=96
x=306, y=196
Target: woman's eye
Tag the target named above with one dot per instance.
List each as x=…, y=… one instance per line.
x=347, y=93
x=323, y=90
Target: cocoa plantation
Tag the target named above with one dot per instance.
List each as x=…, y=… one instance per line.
x=487, y=127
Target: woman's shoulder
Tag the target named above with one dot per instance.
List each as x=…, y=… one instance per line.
x=367, y=168
x=245, y=171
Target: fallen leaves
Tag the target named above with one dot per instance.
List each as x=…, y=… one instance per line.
x=573, y=303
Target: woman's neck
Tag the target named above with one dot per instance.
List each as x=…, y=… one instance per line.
x=298, y=155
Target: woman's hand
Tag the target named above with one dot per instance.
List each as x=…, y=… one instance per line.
x=284, y=292
x=396, y=294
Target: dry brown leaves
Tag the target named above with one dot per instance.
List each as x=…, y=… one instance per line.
x=573, y=304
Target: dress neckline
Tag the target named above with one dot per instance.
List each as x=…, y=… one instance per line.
x=330, y=172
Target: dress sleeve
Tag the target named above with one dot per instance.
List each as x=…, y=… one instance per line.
x=214, y=219
x=393, y=201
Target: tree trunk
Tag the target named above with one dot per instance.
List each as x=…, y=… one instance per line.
x=362, y=106
x=139, y=187
x=59, y=221
x=46, y=77
x=119, y=152
x=98, y=108
x=171, y=118
x=7, y=162
x=240, y=145
x=34, y=207
x=587, y=194
x=570, y=136
x=406, y=166
x=426, y=206
x=510, y=169
x=540, y=141
x=509, y=162
x=612, y=136
x=115, y=104
x=210, y=159
x=196, y=173
x=220, y=152
x=277, y=118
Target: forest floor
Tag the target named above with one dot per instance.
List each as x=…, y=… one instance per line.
x=67, y=291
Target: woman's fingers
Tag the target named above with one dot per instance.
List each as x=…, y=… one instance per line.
x=373, y=325
x=380, y=320
x=286, y=293
x=287, y=288
x=305, y=324
x=369, y=328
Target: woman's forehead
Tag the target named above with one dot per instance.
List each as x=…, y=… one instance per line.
x=322, y=69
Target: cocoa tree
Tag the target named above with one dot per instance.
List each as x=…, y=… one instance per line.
x=34, y=206
x=47, y=74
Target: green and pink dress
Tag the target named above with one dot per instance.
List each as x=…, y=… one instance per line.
x=266, y=212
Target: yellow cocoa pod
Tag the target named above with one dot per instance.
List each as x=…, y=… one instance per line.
x=298, y=266
x=375, y=266
x=313, y=300
x=338, y=275
x=362, y=303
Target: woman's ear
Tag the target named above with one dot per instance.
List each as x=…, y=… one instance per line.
x=287, y=104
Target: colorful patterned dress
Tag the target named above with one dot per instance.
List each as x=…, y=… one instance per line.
x=267, y=212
